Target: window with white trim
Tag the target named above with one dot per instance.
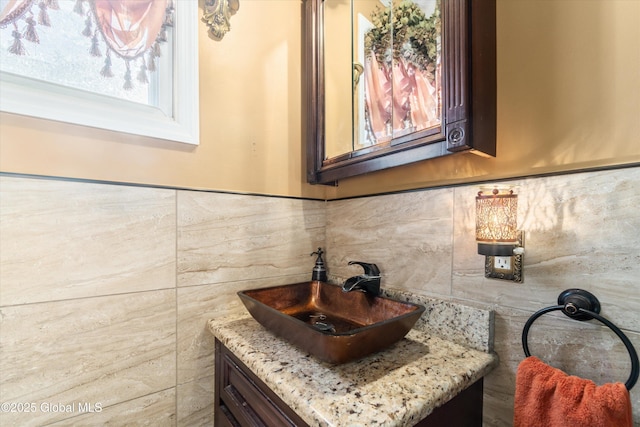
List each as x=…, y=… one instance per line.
x=123, y=65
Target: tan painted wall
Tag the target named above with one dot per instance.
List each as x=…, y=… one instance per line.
x=568, y=98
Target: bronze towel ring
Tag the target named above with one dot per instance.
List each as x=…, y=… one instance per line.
x=582, y=305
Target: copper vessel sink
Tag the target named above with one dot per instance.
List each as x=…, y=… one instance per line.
x=332, y=325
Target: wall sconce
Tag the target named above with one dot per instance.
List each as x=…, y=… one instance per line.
x=498, y=236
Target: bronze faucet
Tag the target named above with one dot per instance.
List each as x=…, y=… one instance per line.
x=368, y=282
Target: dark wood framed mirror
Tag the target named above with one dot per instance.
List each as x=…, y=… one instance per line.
x=379, y=93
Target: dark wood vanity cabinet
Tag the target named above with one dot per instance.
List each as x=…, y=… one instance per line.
x=464, y=410
x=242, y=399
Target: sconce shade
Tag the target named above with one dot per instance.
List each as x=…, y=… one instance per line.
x=496, y=222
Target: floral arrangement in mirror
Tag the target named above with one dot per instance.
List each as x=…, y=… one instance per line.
x=402, y=76
x=408, y=32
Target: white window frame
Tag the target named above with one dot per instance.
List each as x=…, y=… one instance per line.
x=177, y=122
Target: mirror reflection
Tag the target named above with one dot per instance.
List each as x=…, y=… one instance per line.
x=382, y=73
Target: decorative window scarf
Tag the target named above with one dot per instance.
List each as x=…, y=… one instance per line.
x=129, y=28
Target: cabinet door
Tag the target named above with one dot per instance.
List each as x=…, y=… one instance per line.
x=244, y=400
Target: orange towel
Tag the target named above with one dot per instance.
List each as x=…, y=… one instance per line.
x=546, y=396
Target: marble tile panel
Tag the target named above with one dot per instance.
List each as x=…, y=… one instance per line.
x=63, y=239
x=196, y=402
x=231, y=237
x=153, y=410
x=105, y=350
x=499, y=385
x=581, y=230
x=408, y=235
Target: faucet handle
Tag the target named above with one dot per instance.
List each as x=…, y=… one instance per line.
x=369, y=269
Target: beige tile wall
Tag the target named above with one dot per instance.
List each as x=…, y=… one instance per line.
x=105, y=289
x=581, y=230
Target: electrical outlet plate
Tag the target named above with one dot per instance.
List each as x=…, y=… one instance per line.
x=506, y=267
x=502, y=263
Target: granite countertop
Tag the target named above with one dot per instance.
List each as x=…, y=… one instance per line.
x=396, y=387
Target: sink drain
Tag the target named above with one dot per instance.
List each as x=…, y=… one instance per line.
x=317, y=320
x=324, y=327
